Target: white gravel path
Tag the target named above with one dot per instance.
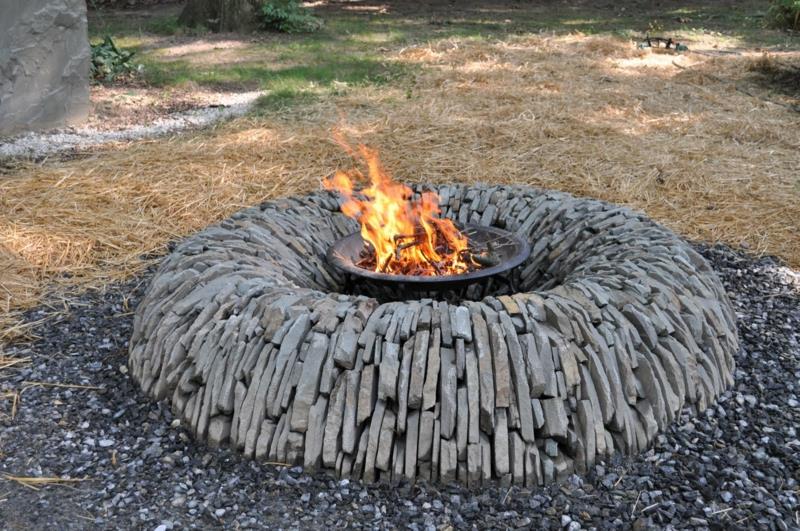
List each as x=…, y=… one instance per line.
x=40, y=144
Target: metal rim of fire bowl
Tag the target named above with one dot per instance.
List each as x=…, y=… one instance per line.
x=513, y=251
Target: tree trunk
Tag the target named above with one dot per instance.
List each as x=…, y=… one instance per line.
x=217, y=15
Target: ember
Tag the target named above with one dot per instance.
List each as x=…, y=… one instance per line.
x=403, y=235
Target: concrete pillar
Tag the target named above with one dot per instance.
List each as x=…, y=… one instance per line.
x=44, y=64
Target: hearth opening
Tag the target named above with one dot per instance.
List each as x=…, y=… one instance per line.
x=404, y=249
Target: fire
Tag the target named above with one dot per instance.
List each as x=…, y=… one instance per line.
x=405, y=234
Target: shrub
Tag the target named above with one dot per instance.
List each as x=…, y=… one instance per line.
x=108, y=61
x=288, y=16
x=784, y=14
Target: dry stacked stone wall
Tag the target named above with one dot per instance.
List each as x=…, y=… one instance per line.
x=617, y=325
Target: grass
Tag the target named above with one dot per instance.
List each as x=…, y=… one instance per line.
x=351, y=48
x=291, y=68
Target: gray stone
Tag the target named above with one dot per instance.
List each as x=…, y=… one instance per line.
x=502, y=373
x=462, y=424
x=392, y=332
x=601, y=385
x=426, y=430
x=349, y=423
x=533, y=466
x=294, y=447
x=444, y=319
x=588, y=392
x=367, y=394
x=418, y=364
x=435, y=452
x=332, y=440
x=432, y=372
x=404, y=379
x=473, y=398
x=448, y=398
x=460, y=323
x=555, y=418
x=389, y=371
x=329, y=370
x=44, y=81
x=645, y=327
x=569, y=364
x=556, y=318
x=383, y=456
x=375, y=425
x=587, y=419
x=545, y=353
x=485, y=373
x=461, y=358
x=369, y=345
x=517, y=455
x=652, y=391
x=265, y=439
x=357, y=466
x=424, y=318
x=551, y=447
x=308, y=385
x=538, y=413
x=412, y=441
x=315, y=433
x=486, y=458
x=500, y=447
x=347, y=345
x=518, y=374
x=448, y=461
x=473, y=464
x=406, y=329
x=219, y=430
x=534, y=368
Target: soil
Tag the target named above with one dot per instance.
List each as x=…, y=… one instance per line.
x=119, y=107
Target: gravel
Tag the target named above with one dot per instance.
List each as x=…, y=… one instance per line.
x=734, y=466
x=40, y=144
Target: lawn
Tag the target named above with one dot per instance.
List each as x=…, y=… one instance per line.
x=545, y=94
x=353, y=47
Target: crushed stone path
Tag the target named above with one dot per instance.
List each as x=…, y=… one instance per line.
x=36, y=145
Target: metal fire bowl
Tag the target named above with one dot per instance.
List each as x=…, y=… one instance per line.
x=508, y=248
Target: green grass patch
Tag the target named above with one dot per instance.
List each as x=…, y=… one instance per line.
x=162, y=22
x=351, y=49
x=282, y=99
x=323, y=72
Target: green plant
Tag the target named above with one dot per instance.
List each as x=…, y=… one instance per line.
x=288, y=16
x=784, y=14
x=108, y=61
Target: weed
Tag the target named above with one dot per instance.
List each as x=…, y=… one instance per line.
x=288, y=16
x=784, y=14
x=109, y=61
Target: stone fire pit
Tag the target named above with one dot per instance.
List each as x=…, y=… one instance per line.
x=615, y=325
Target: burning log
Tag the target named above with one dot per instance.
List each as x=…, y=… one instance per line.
x=472, y=257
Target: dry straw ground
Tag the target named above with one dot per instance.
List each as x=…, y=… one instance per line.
x=678, y=137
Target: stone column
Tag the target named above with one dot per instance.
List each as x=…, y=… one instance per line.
x=44, y=64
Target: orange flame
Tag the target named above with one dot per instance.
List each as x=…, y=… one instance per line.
x=405, y=233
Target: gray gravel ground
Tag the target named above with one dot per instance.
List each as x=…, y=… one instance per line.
x=735, y=466
x=36, y=145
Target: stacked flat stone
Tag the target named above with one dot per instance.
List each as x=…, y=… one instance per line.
x=618, y=324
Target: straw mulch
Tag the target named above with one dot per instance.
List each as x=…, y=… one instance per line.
x=674, y=136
